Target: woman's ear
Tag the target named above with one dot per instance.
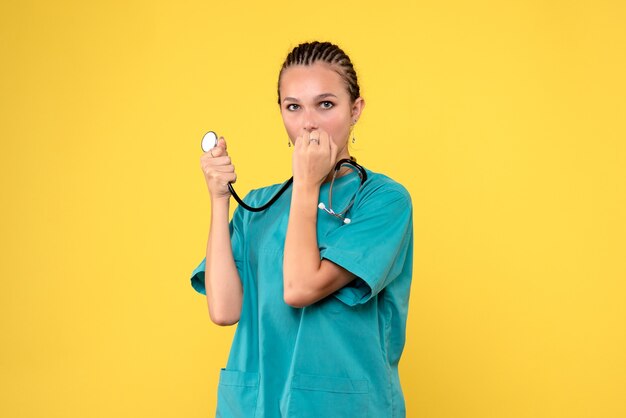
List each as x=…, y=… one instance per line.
x=357, y=108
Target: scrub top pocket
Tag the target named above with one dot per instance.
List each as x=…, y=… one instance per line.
x=313, y=396
x=237, y=394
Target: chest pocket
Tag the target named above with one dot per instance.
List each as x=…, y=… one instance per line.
x=313, y=396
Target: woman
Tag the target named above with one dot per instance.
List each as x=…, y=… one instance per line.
x=321, y=302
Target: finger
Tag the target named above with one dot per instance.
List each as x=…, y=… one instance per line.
x=218, y=151
x=231, y=178
x=207, y=156
x=300, y=142
x=321, y=145
x=315, y=138
x=208, y=161
x=219, y=177
x=225, y=168
x=214, y=152
x=323, y=140
x=224, y=179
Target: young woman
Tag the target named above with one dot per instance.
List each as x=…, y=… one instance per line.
x=321, y=302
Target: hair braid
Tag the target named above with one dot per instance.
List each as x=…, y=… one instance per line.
x=311, y=52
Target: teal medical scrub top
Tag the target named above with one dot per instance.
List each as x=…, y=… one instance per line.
x=337, y=357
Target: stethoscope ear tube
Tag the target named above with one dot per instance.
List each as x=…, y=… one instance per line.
x=352, y=161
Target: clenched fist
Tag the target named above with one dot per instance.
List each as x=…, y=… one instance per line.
x=218, y=170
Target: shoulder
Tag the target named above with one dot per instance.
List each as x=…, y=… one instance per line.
x=379, y=186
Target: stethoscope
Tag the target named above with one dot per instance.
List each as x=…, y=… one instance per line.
x=209, y=141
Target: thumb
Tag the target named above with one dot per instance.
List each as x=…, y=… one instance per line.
x=221, y=143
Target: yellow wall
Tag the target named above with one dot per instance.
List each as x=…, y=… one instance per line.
x=505, y=120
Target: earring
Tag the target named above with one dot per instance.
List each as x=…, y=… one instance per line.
x=289, y=144
x=353, y=138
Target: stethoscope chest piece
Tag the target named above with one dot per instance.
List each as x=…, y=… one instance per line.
x=209, y=141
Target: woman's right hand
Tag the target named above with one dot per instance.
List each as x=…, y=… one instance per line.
x=218, y=170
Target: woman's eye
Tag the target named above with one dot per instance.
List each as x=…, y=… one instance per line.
x=292, y=106
x=326, y=105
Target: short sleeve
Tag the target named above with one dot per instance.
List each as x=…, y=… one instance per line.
x=236, y=238
x=374, y=245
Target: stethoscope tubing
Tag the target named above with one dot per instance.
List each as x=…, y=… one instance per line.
x=265, y=206
x=210, y=140
x=285, y=186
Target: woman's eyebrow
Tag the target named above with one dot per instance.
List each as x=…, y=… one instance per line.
x=318, y=97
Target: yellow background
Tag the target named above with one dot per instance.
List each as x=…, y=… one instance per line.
x=505, y=120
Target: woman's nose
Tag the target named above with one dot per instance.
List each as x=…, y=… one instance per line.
x=310, y=122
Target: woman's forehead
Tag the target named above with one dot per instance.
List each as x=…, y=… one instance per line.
x=309, y=81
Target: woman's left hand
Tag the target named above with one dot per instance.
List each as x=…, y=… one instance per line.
x=313, y=158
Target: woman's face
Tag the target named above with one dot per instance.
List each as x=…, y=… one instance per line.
x=314, y=97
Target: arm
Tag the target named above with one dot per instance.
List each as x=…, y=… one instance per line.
x=221, y=279
x=306, y=278
x=223, y=286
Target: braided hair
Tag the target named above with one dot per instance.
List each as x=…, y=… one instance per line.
x=311, y=52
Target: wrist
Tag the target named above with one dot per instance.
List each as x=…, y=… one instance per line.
x=219, y=202
x=304, y=200
x=306, y=188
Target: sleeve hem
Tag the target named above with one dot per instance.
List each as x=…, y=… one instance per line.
x=197, y=278
x=354, y=293
x=198, y=284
